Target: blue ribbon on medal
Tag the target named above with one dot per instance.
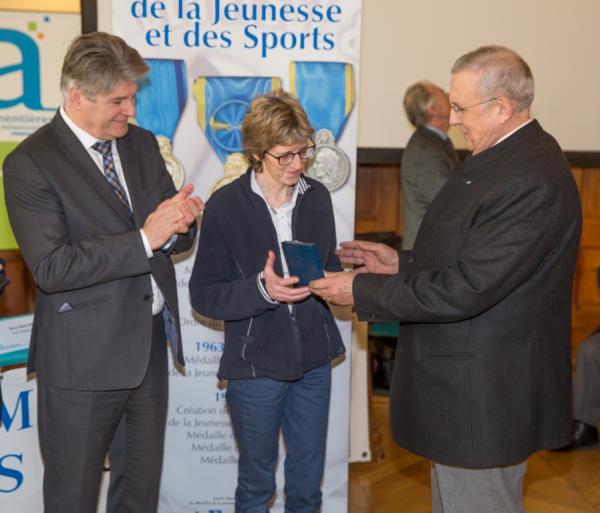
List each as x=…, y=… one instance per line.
x=162, y=96
x=326, y=92
x=160, y=101
x=223, y=103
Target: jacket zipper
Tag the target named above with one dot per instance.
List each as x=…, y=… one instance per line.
x=295, y=328
x=249, y=324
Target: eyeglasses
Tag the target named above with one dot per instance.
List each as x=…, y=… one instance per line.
x=286, y=159
x=458, y=109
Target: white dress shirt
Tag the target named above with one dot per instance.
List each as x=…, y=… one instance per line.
x=282, y=221
x=506, y=136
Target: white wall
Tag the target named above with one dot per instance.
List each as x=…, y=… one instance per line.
x=408, y=40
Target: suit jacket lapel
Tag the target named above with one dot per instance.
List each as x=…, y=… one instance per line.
x=132, y=175
x=81, y=160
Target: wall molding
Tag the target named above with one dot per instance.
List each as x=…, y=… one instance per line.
x=393, y=156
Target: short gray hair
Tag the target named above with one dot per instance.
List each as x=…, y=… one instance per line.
x=97, y=62
x=417, y=100
x=503, y=73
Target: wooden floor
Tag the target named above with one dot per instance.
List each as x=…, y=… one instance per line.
x=397, y=481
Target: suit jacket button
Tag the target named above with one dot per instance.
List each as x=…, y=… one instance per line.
x=147, y=298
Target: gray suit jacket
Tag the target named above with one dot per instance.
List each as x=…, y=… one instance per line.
x=427, y=162
x=93, y=314
x=482, y=373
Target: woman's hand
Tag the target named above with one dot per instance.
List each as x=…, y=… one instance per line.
x=282, y=289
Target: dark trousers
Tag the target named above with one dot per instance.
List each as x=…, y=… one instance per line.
x=259, y=409
x=77, y=426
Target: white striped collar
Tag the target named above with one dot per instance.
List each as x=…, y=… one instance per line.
x=303, y=185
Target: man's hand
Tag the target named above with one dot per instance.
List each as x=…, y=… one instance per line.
x=174, y=215
x=374, y=257
x=336, y=288
x=282, y=289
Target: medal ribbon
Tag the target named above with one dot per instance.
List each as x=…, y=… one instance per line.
x=326, y=92
x=222, y=105
x=162, y=97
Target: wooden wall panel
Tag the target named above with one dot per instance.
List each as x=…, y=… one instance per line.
x=586, y=293
x=18, y=296
x=378, y=201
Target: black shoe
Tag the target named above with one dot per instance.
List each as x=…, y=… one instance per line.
x=583, y=436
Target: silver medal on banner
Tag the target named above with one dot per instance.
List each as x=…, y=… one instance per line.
x=326, y=92
x=330, y=165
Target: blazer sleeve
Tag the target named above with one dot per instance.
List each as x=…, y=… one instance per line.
x=511, y=234
x=427, y=170
x=39, y=222
x=219, y=289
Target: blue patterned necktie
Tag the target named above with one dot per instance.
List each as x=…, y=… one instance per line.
x=110, y=173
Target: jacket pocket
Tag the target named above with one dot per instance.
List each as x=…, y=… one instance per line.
x=247, y=348
x=68, y=307
x=446, y=340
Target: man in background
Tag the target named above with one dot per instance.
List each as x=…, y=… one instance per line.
x=96, y=215
x=586, y=395
x=429, y=157
x=482, y=377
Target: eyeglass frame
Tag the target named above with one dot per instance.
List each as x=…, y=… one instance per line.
x=293, y=154
x=457, y=109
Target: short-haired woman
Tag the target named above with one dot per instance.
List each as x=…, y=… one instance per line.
x=279, y=339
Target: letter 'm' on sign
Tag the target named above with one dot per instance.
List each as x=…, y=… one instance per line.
x=22, y=406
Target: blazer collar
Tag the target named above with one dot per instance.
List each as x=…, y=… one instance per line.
x=132, y=174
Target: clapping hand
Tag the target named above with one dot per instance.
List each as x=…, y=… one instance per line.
x=174, y=215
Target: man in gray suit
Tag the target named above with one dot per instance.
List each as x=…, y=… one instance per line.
x=586, y=395
x=482, y=373
x=429, y=156
x=96, y=214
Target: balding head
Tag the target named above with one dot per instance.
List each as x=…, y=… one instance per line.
x=427, y=104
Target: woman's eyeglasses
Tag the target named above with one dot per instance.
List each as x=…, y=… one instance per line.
x=287, y=158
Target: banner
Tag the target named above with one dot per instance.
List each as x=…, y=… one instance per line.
x=226, y=52
x=32, y=46
x=20, y=461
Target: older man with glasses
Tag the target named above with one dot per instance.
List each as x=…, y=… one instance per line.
x=482, y=374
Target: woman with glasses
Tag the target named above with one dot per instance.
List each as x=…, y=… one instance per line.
x=279, y=339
